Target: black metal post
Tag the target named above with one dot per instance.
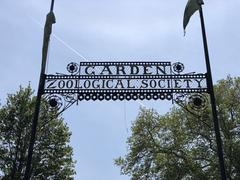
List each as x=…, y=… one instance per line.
x=47, y=31
x=34, y=127
x=52, y=5
x=212, y=98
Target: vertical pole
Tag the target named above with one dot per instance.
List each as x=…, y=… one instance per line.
x=34, y=127
x=47, y=32
x=52, y=5
x=212, y=98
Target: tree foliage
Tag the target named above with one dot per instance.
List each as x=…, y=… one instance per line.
x=179, y=145
x=52, y=157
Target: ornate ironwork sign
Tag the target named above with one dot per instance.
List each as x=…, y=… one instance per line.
x=125, y=81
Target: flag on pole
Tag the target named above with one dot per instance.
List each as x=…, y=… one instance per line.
x=191, y=7
x=50, y=20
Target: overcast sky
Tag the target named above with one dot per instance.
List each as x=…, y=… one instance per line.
x=111, y=30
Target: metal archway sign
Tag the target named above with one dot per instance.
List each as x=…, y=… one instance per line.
x=126, y=81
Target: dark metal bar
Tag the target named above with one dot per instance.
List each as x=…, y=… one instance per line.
x=34, y=127
x=52, y=5
x=212, y=98
x=40, y=92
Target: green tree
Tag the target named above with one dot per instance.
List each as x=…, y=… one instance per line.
x=179, y=145
x=52, y=157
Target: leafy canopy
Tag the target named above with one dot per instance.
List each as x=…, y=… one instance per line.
x=52, y=157
x=179, y=145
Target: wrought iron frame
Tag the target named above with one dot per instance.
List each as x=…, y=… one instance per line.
x=61, y=98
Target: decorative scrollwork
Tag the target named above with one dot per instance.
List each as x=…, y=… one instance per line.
x=55, y=102
x=123, y=96
x=193, y=103
x=73, y=68
x=198, y=102
x=61, y=102
x=178, y=67
x=126, y=81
